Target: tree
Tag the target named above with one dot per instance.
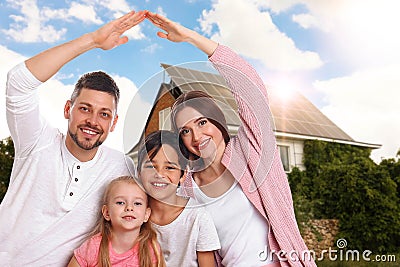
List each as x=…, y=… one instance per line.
x=393, y=167
x=342, y=182
x=6, y=163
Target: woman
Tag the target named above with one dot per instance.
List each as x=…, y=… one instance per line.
x=241, y=179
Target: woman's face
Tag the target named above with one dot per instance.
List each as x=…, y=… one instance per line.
x=199, y=135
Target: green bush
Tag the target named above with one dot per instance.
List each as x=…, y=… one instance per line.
x=6, y=163
x=342, y=182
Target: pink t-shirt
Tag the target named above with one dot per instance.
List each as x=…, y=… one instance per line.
x=87, y=254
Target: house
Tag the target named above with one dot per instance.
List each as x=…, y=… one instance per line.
x=295, y=119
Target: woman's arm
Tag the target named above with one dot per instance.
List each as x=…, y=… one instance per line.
x=206, y=258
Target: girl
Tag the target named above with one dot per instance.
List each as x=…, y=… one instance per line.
x=123, y=237
x=240, y=179
x=187, y=235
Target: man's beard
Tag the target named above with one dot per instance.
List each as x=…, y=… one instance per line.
x=84, y=145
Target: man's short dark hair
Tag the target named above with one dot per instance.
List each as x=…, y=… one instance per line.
x=99, y=81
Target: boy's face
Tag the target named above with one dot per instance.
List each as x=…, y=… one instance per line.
x=161, y=175
x=90, y=118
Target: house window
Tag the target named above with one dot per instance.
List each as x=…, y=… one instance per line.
x=164, y=119
x=284, y=153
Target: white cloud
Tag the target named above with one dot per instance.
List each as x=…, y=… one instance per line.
x=305, y=20
x=30, y=26
x=33, y=23
x=135, y=121
x=115, y=5
x=53, y=94
x=161, y=11
x=276, y=6
x=135, y=33
x=151, y=48
x=365, y=105
x=8, y=60
x=129, y=93
x=49, y=14
x=258, y=38
x=360, y=35
x=84, y=13
x=363, y=32
x=320, y=14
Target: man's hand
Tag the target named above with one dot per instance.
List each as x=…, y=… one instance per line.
x=110, y=35
x=47, y=63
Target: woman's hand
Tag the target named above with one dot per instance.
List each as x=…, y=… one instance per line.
x=174, y=31
x=178, y=33
x=110, y=35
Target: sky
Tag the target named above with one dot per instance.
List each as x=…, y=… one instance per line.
x=343, y=55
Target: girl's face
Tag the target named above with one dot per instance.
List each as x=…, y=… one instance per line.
x=161, y=175
x=127, y=207
x=199, y=135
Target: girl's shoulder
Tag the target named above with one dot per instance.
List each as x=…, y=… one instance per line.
x=94, y=240
x=88, y=251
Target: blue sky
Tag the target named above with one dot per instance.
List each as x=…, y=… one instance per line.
x=342, y=55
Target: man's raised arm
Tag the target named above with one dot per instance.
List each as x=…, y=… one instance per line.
x=45, y=64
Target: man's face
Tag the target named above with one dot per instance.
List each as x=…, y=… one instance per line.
x=90, y=118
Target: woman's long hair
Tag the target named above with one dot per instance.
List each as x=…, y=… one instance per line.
x=206, y=106
x=147, y=236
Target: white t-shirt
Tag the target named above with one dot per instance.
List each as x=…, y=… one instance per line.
x=193, y=230
x=241, y=228
x=53, y=199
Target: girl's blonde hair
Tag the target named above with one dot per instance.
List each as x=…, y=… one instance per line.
x=147, y=235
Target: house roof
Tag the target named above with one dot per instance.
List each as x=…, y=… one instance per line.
x=294, y=117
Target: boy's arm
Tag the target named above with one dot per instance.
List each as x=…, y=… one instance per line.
x=206, y=258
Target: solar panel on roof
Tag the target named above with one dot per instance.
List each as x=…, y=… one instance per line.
x=294, y=115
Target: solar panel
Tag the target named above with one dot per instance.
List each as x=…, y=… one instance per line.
x=295, y=115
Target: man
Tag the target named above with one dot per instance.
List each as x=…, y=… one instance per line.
x=58, y=179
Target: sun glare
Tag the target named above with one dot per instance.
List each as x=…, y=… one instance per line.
x=283, y=88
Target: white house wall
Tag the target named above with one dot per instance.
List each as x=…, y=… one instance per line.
x=295, y=152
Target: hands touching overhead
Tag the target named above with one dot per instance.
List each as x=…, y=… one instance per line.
x=110, y=35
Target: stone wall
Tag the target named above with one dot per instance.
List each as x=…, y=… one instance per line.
x=320, y=234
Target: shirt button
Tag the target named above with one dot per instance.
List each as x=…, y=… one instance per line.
x=76, y=179
x=71, y=194
x=78, y=167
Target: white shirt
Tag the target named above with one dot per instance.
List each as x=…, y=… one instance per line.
x=193, y=230
x=53, y=199
x=241, y=229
